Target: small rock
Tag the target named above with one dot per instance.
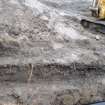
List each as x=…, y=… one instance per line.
x=44, y=17
x=97, y=37
x=56, y=45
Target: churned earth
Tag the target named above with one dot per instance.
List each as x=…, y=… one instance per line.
x=46, y=57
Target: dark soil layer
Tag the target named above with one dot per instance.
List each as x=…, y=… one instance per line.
x=50, y=72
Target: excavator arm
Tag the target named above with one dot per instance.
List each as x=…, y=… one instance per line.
x=98, y=11
x=101, y=4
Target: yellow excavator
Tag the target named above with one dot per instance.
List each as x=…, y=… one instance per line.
x=98, y=12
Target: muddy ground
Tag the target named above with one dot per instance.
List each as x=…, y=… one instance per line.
x=46, y=57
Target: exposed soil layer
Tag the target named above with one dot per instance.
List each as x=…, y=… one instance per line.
x=51, y=72
x=52, y=84
x=46, y=57
x=77, y=91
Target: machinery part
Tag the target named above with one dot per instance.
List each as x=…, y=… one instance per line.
x=101, y=5
x=98, y=10
x=94, y=12
x=95, y=8
x=98, y=26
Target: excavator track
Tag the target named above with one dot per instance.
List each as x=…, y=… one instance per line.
x=95, y=25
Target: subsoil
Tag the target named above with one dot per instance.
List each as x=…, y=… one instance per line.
x=46, y=57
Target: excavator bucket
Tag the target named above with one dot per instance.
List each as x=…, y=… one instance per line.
x=94, y=25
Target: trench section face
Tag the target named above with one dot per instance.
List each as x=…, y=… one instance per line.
x=52, y=84
x=50, y=72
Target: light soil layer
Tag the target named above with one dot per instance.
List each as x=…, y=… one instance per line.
x=47, y=58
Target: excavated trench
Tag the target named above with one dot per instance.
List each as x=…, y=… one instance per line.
x=47, y=59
